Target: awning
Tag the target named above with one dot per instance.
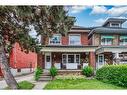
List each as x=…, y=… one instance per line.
x=107, y=37
x=68, y=49
x=123, y=37
x=112, y=49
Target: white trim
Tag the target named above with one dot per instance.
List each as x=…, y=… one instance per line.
x=119, y=24
x=103, y=62
x=55, y=43
x=48, y=54
x=74, y=35
x=67, y=58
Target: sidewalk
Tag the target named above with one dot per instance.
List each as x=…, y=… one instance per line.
x=38, y=85
x=18, y=79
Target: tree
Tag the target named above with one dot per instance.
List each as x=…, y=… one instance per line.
x=14, y=27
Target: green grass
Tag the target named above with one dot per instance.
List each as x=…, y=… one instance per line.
x=24, y=85
x=79, y=84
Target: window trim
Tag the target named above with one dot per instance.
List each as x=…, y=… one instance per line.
x=106, y=40
x=67, y=58
x=119, y=25
x=124, y=42
x=74, y=35
x=55, y=43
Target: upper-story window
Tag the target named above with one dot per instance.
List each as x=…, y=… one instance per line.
x=106, y=40
x=115, y=25
x=55, y=40
x=74, y=39
x=123, y=40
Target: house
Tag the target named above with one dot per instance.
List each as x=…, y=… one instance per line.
x=21, y=62
x=67, y=52
x=95, y=46
x=111, y=39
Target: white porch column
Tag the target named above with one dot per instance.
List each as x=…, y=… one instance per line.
x=116, y=57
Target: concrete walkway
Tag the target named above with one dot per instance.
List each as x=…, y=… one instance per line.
x=30, y=78
x=40, y=85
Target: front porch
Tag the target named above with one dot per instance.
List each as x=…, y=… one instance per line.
x=66, y=61
x=111, y=55
x=67, y=57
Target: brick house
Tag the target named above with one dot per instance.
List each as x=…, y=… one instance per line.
x=81, y=46
x=21, y=62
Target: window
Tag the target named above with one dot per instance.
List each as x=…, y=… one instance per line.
x=70, y=58
x=114, y=24
x=55, y=40
x=123, y=40
x=101, y=59
x=64, y=59
x=74, y=40
x=107, y=40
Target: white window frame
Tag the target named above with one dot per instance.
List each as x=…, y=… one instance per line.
x=55, y=43
x=111, y=25
x=103, y=63
x=123, y=43
x=74, y=35
x=106, y=43
x=67, y=58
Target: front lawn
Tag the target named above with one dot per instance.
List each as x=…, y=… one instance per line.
x=79, y=84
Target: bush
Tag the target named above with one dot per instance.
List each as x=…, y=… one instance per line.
x=53, y=71
x=38, y=72
x=115, y=74
x=88, y=71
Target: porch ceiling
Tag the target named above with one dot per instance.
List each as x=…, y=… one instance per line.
x=68, y=49
x=111, y=49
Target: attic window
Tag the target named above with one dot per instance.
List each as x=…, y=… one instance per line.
x=114, y=24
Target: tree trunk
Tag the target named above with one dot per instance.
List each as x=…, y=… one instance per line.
x=9, y=78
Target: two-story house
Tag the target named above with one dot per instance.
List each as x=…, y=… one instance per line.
x=67, y=52
x=111, y=40
x=81, y=46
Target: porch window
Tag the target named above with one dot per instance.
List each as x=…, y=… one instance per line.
x=74, y=40
x=107, y=40
x=55, y=40
x=71, y=58
x=123, y=40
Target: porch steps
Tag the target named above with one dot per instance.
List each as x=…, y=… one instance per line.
x=45, y=77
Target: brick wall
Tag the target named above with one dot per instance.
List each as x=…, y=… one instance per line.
x=19, y=59
x=92, y=60
x=41, y=60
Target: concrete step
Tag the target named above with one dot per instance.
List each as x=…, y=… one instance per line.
x=43, y=76
x=44, y=79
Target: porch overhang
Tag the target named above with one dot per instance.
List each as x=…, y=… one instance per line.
x=112, y=49
x=68, y=48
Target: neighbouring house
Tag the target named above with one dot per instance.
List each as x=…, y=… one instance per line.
x=21, y=62
x=81, y=46
x=111, y=39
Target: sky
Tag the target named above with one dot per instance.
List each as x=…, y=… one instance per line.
x=89, y=16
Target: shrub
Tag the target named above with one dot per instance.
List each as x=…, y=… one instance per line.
x=88, y=71
x=38, y=72
x=115, y=74
x=53, y=71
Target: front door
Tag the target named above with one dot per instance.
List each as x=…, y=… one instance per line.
x=48, y=61
x=100, y=60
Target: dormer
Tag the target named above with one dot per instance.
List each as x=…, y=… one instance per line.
x=114, y=22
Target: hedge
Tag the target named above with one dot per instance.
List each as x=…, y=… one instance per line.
x=115, y=74
x=38, y=73
x=88, y=71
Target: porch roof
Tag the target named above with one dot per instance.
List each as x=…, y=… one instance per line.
x=111, y=49
x=68, y=48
